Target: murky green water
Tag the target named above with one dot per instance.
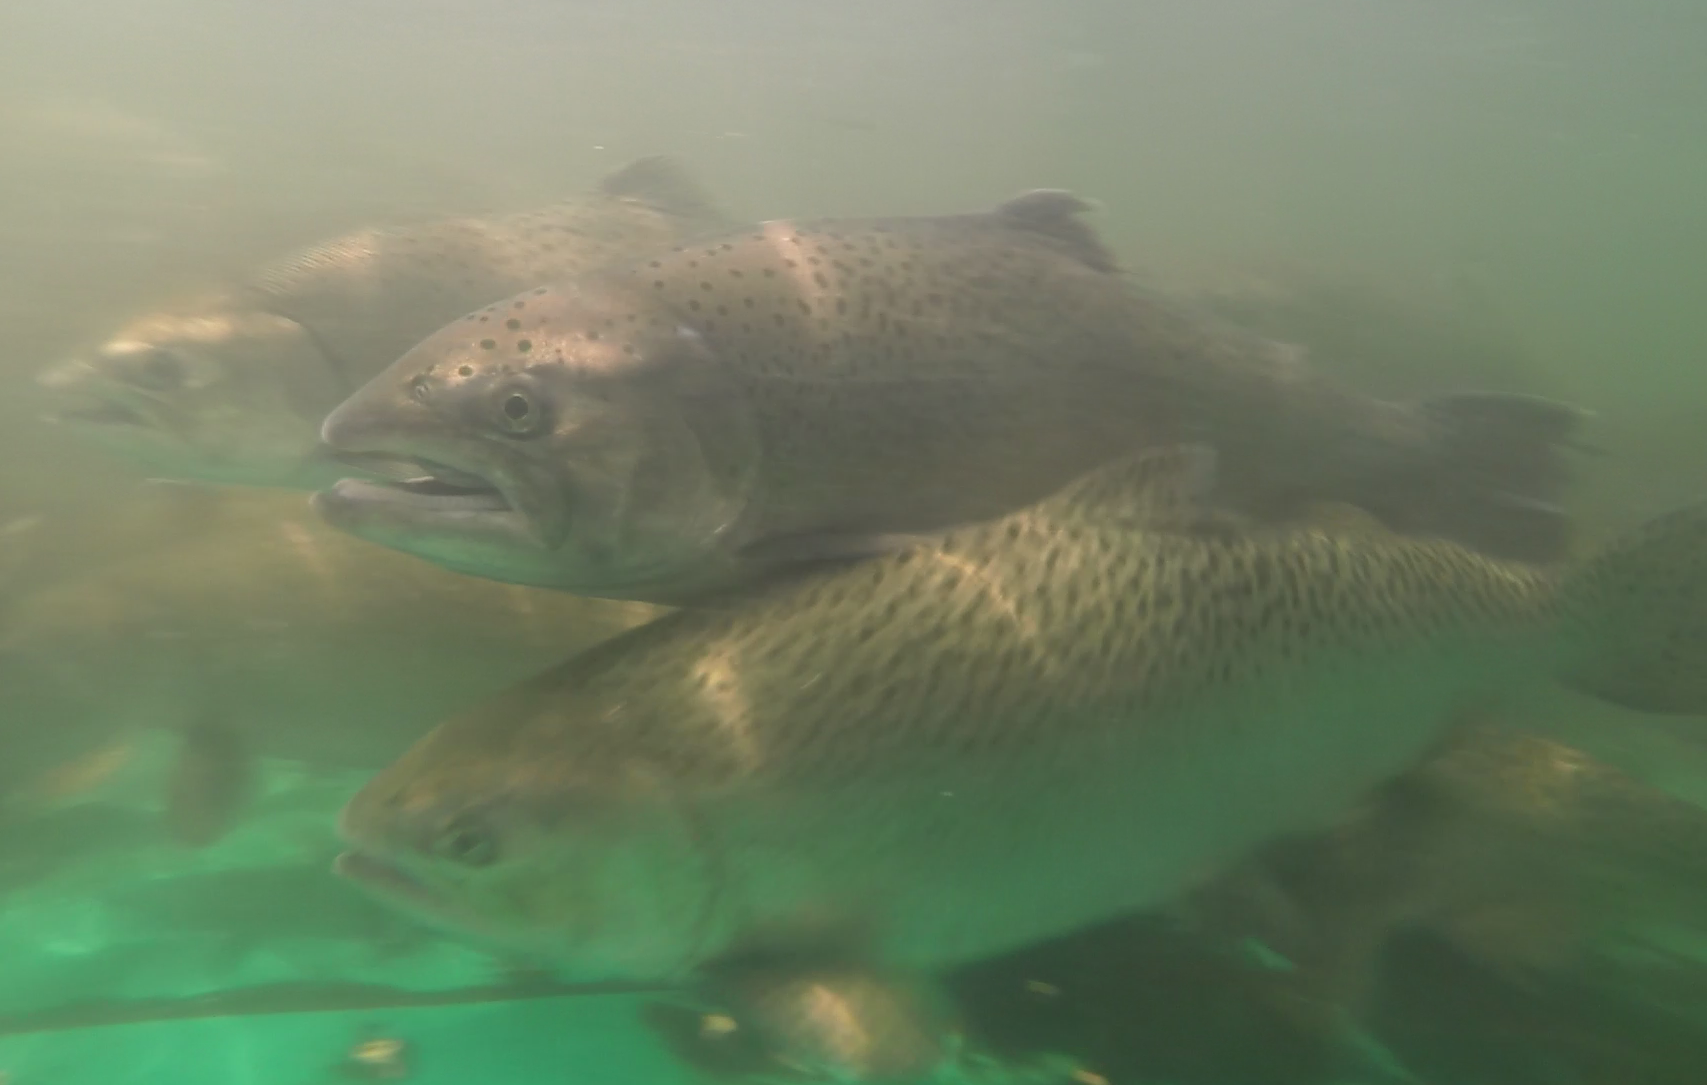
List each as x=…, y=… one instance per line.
x=1429, y=197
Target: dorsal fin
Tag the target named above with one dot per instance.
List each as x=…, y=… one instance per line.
x=1053, y=212
x=1162, y=489
x=1338, y=518
x=664, y=184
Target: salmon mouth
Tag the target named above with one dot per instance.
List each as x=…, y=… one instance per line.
x=422, y=482
x=385, y=879
x=392, y=885
x=427, y=506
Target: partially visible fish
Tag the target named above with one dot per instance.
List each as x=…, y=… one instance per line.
x=1524, y=822
x=232, y=387
x=832, y=1022
x=799, y=392
x=264, y=634
x=1561, y=866
x=840, y=1021
x=82, y=775
x=74, y=537
x=211, y=782
x=1531, y=858
x=383, y=1058
x=1072, y=713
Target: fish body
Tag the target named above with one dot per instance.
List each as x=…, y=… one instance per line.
x=1548, y=873
x=832, y=1022
x=1549, y=862
x=1530, y=856
x=212, y=780
x=800, y=392
x=232, y=387
x=303, y=642
x=1024, y=728
x=1539, y=864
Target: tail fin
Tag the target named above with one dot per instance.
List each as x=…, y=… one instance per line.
x=1495, y=471
x=1639, y=618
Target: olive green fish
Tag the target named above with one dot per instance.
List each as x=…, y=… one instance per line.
x=1074, y=712
x=232, y=387
x=804, y=391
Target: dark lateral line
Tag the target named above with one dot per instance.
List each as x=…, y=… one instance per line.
x=278, y=998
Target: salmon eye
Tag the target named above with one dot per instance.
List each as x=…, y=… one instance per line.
x=520, y=412
x=465, y=841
